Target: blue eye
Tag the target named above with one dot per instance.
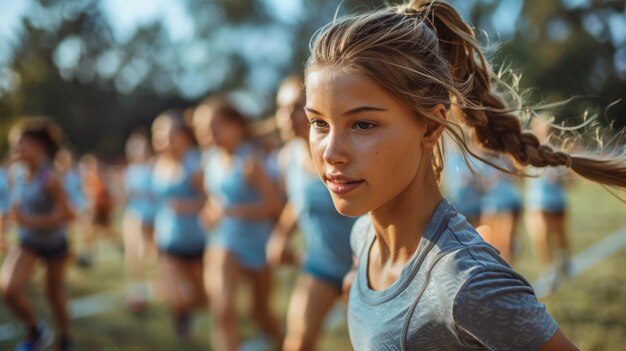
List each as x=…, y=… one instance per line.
x=362, y=125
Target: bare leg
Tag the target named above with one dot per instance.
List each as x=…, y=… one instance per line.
x=222, y=280
x=173, y=274
x=55, y=292
x=16, y=270
x=538, y=230
x=310, y=302
x=194, y=273
x=502, y=225
x=134, y=259
x=261, y=310
x=556, y=224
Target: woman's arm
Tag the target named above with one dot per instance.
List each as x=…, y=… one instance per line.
x=277, y=248
x=559, y=342
x=270, y=204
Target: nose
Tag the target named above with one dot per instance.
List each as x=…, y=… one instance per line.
x=336, y=150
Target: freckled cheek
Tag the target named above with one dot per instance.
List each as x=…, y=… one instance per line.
x=317, y=146
x=390, y=161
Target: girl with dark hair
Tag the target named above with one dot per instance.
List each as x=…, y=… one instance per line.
x=40, y=209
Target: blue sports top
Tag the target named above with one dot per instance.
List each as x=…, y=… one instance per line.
x=4, y=192
x=461, y=185
x=501, y=194
x=138, y=186
x=228, y=185
x=546, y=192
x=455, y=293
x=175, y=232
x=74, y=190
x=326, y=232
x=32, y=198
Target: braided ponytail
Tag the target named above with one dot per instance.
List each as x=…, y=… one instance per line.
x=495, y=125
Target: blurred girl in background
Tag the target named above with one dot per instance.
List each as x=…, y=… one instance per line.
x=41, y=211
x=242, y=207
x=179, y=237
x=65, y=164
x=462, y=185
x=4, y=206
x=328, y=256
x=138, y=218
x=545, y=214
x=100, y=202
x=500, y=207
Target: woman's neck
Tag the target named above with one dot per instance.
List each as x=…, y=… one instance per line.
x=230, y=150
x=399, y=224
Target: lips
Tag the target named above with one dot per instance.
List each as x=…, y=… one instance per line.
x=341, y=185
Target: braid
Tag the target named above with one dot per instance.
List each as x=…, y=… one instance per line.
x=496, y=125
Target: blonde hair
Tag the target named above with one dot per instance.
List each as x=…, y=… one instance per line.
x=425, y=54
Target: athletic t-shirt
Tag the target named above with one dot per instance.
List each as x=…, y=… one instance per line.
x=455, y=293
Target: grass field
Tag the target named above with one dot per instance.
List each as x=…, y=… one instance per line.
x=591, y=308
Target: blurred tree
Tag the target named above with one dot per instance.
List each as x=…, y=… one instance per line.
x=68, y=61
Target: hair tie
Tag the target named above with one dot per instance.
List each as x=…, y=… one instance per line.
x=409, y=10
x=569, y=161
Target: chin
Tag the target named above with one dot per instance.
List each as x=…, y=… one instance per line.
x=349, y=208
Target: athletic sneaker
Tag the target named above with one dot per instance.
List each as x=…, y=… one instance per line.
x=84, y=261
x=41, y=340
x=182, y=325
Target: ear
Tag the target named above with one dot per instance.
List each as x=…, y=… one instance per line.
x=434, y=130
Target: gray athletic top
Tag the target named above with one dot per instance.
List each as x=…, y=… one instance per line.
x=455, y=293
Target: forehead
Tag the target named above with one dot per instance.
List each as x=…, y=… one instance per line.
x=348, y=88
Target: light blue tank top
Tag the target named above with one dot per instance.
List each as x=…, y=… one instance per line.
x=461, y=185
x=74, y=190
x=178, y=233
x=228, y=185
x=546, y=192
x=326, y=232
x=138, y=186
x=4, y=192
x=33, y=199
x=501, y=194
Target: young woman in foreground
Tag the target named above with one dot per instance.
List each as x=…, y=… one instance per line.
x=379, y=90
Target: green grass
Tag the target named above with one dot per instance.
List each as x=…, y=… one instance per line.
x=591, y=309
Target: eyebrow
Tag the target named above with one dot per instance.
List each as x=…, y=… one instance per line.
x=354, y=111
